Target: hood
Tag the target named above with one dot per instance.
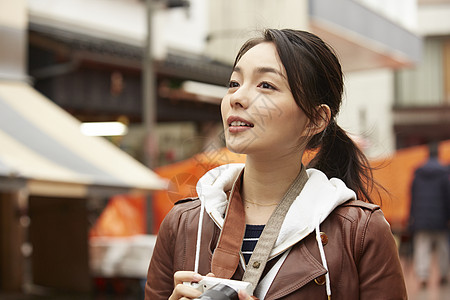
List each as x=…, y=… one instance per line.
x=319, y=197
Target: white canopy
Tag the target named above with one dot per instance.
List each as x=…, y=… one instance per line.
x=41, y=145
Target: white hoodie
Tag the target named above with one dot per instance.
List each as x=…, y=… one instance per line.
x=318, y=198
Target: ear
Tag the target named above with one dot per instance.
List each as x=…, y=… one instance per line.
x=323, y=118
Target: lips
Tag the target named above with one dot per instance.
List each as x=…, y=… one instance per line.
x=237, y=124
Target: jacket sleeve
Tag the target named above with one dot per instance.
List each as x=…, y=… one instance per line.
x=159, y=283
x=380, y=272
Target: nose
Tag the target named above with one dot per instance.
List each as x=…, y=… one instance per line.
x=240, y=98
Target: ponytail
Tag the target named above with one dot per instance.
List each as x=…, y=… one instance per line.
x=340, y=157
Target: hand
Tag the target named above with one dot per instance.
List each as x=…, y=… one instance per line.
x=182, y=291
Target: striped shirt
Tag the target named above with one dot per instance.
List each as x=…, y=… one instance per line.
x=251, y=237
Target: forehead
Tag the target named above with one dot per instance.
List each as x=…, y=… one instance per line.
x=261, y=55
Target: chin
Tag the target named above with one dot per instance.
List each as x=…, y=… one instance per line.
x=245, y=144
x=242, y=148
x=236, y=149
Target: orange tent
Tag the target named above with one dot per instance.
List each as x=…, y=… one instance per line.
x=123, y=216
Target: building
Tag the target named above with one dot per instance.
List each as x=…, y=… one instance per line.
x=52, y=177
x=422, y=102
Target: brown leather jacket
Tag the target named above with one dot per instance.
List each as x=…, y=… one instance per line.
x=360, y=250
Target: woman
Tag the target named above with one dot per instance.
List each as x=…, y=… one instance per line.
x=315, y=238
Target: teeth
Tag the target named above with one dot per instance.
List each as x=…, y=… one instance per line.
x=239, y=123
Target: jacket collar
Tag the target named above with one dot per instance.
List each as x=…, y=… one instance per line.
x=319, y=197
x=227, y=254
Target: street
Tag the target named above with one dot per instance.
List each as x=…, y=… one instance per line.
x=432, y=292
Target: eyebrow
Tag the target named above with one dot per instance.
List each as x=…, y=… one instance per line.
x=262, y=70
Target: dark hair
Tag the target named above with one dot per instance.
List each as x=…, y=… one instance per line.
x=315, y=77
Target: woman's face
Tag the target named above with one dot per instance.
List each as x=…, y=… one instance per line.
x=259, y=113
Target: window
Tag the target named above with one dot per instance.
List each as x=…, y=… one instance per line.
x=423, y=84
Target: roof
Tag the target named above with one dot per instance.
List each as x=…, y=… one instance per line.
x=42, y=146
x=176, y=63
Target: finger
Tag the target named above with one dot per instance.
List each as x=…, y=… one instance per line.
x=244, y=296
x=182, y=291
x=210, y=275
x=186, y=276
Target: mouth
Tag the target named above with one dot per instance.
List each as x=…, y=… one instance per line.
x=238, y=122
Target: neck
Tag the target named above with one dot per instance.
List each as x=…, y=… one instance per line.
x=267, y=180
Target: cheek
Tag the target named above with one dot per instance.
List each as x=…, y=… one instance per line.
x=297, y=122
x=302, y=126
x=224, y=108
x=302, y=121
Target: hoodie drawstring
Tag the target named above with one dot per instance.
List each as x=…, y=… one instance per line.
x=199, y=235
x=324, y=261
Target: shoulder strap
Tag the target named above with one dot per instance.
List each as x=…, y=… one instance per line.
x=258, y=260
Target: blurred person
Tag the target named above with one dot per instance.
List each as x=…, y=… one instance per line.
x=429, y=217
x=295, y=232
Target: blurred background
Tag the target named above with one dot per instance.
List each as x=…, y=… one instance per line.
x=109, y=113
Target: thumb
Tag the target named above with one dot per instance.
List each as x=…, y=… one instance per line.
x=244, y=296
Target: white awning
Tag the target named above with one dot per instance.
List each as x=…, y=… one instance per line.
x=42, y=146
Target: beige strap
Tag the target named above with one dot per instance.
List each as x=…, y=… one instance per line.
x=260, y=255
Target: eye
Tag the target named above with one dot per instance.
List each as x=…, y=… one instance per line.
x=266, y=85
x=233, y=84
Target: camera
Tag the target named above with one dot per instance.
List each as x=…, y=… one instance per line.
x=220, y=289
